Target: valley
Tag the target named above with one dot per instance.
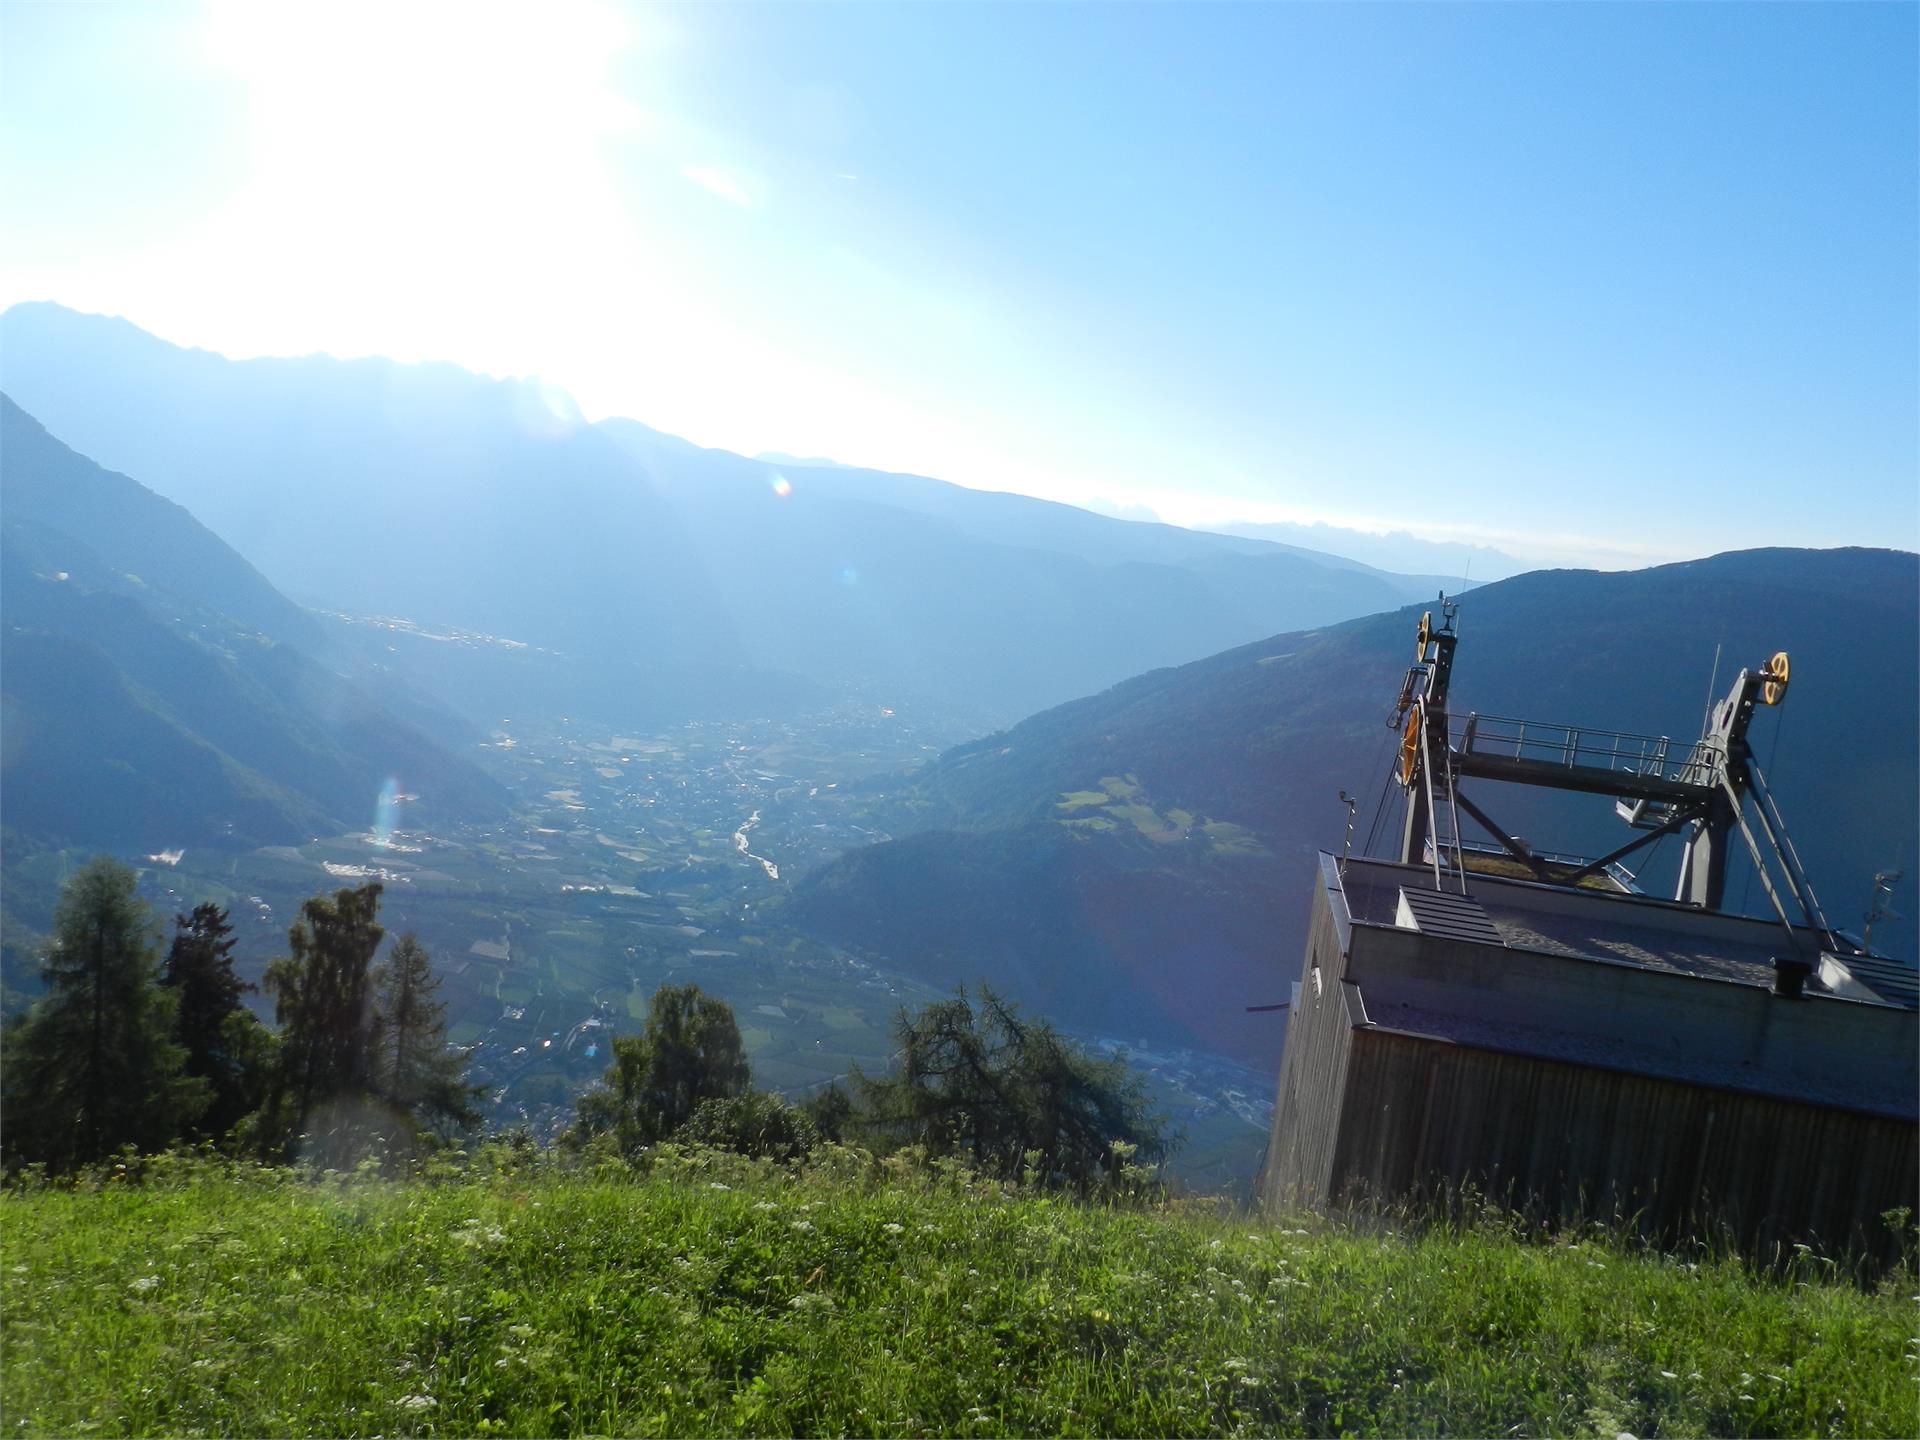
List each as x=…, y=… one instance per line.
x=618, y=867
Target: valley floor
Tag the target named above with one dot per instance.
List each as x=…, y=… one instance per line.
x=620, y=869
x=716, y=1296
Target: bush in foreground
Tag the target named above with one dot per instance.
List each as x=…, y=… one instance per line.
x=703, y=1293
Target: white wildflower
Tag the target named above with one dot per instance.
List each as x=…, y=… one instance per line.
x=892, y=1229
x=144, y=1284
x=803, y=1226
x=716, y=1185
x=417, y=1402
x=765, y=1206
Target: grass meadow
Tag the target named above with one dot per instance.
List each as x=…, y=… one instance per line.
x=706, y=1294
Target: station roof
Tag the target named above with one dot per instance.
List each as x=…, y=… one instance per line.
x=1614, y=927
x=1863, y=1058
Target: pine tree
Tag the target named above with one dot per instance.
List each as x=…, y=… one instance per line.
x=413, y=1070
x=321, y=994
x=225, y=1044
x=95, y=1067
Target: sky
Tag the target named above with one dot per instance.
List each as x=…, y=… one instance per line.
x=1594, y=284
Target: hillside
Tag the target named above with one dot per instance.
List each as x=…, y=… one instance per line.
x=664, y=578
x=152, y=700
x=1164, y=827
x=135, y=541
x=713, y=1298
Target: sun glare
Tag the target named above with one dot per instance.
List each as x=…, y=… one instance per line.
x=437, y=172
x=386, y=812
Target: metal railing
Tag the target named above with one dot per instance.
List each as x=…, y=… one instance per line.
x=1577, y=747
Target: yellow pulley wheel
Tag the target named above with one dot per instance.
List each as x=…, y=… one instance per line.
x=1426, y=631
x=1779, y=670
x=1410, y=748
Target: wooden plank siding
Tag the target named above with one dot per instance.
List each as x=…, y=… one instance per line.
x=1420, y=1117
x=1320, y=1028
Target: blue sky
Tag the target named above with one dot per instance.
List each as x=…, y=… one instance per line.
x=1592, y=284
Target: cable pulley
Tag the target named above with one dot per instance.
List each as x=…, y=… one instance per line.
x=1776, y=675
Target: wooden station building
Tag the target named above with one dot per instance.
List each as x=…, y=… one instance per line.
x=1554, y=1039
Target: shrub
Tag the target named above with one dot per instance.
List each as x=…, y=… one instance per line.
x=757, y=1123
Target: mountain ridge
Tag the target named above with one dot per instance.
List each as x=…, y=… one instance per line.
x=491, y=506
x=1218, y=779
x=140, y=713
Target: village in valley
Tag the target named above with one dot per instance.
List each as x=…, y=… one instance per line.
x=636, y=860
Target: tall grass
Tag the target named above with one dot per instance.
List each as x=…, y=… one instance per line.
x=711, y=1295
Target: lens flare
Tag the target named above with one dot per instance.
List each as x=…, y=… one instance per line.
x=385, y=811
x=782, y=486
x=849, y=576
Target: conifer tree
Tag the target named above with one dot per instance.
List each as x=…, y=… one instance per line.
x=1010, y=1095
x=225, y=1045
x=690, y=1051
x=95, y=1067
x=413, y=1070
x=321, y=994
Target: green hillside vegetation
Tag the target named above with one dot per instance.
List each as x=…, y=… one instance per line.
x=1119, y=803
x=698, y=1293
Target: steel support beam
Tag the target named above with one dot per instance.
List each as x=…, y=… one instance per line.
x=1507, y=842
x=1593, y=867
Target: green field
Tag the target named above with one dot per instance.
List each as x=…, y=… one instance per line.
x=716, y=1296
x=1120, y=804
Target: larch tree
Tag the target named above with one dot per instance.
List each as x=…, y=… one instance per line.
x=1011, y=1096
x=413, y=1069
x=95, y=1066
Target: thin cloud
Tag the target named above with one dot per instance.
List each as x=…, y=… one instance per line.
x=715, y=183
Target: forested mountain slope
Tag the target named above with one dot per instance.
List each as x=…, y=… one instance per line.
x=151, y=697
x=1140, y=859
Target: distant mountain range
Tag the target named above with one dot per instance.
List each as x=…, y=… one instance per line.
x=1396, y=549
x=656, y=578
x=158, y=692
x=1140, y=860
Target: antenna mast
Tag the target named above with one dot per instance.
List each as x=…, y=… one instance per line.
x=1881, y=907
